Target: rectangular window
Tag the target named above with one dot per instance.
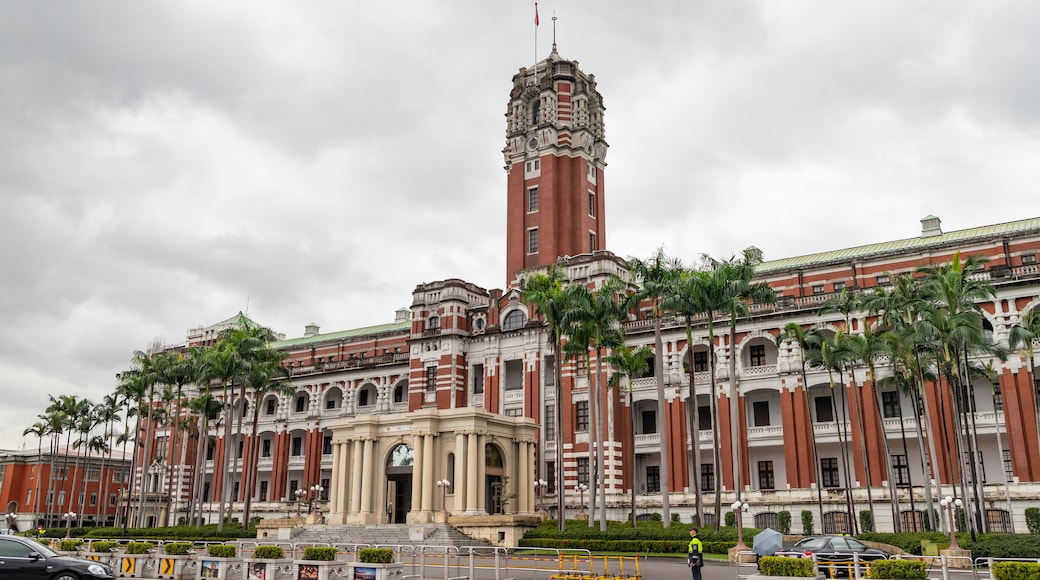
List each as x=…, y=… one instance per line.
x=514, y=412
x=532, y=241
x=330, y=404
x=234, y=490
x=591, y=172
x=707, y=477
x=265, y=448
x=94, y=473
x=653, y=478
x=514, y=375
x=583, y=470
x=649, y=421
x=209, y=451
x=550, y=423
x=1009, y=471
x=431, y=378
x=1028, y=259
x=271, y=405
x=362, y=398
x=111, y=499
x=326, y=445
x=532, y=199
x=581, y=416
x=758, y=355
x=326, y=486
x=296, y=448
x=818, y=289
x=550, y=476
x=901, y=470
x=824, y=412
x=765, y=475
x=50, y=497
x=478, y=379
x=704, y=417
x=883, y=280
x=293, y=486
x=761, y=413
x=301, y=403
x=700, y=361
x=28, y=497
x=241, y=450
x=550, y=371
x=829, y=471
x=839, y=286
x=998, y=398
x=890, y=404
x=592, y=242
x=592, y=203
x=263, y=491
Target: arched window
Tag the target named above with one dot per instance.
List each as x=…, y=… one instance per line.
x=514, y=320
x=401, y=392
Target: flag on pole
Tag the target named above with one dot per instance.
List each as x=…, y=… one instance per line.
x=536, y=14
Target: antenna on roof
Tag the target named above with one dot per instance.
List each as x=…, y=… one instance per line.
x=247, y=305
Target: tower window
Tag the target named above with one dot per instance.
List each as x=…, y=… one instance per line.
x=592, y=173
x=536, y=112
x=532, y=241
x=592, y=203
x=431, y=378
x=514, y=320
x=532, y=199
x=592, y=241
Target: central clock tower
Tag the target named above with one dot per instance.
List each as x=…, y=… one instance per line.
x=555, y=158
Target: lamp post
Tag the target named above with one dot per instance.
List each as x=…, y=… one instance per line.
x=11, y=517
x=314, y=495
x=539, y=492
x=69, y=516
x=299, y=495
x=582, y=488
x=951, y=505
x=444, y=484
x=738, y=510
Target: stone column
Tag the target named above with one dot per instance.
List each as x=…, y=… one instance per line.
x=428, y=470
x=459, y=477
x=471, y=475
x=418, y=466
x=355, y=477
x=366, y=482
x=481, y=473
x=524, y=482
x=335, y=504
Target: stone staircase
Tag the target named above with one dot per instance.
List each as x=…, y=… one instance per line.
x=385, y=535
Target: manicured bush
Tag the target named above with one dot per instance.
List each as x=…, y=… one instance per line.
x=319, y=553
x=177, y=548
x=207, y=532
x=1001, y=545
x=102, y=545
x=376, y=555
x=807, y=523
x=139, y=547
x=781, y=566
x=1033, y=520
x=1016, y=570
x=221, y=550
x=783, y=520
x=730, y=519
x=269, y=552
x=866, y=521
x=899, y=569
x=70, y=545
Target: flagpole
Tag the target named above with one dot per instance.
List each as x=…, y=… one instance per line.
x=535, y=38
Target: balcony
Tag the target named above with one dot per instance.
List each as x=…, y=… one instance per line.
x=365, y=409
x=652, y=440
x=399, y=407
x=476, y=400
x=766, y=434
x=514, y=396
x=758, y=371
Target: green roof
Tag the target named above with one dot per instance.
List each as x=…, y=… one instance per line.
x=352, y=333
x=901, y=246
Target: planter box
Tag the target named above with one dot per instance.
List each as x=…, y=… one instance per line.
x=322, y=570
x=134, y=565
x=212, y=568
x=103, y=557
x=366, y=571
x=175, y=567
x=319, y=569
x=280, y=569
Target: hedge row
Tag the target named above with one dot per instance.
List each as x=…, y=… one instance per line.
x=652, y=546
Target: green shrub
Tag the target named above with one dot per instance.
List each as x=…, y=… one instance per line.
x=376, y=555
x=70, y=545
x=319, y=553
x=1016, y=570
x=1001, y=545
x=899, y=569
x=783, y=520
x=781, y=566
x=807, y=523
x=1033, y=520
x=269, y=552
x=731, y=519
x=139, y=547
x=866, y=521
x=177, y=548
x=221, y=550
x=675, y=517
x=102, y=545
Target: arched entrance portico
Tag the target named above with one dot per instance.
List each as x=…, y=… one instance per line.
x=399, y=483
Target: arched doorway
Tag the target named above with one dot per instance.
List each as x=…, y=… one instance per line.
x=495, y=498
x=399, y=483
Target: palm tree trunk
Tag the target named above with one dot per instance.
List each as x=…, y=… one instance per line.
x=146, y=459
x=930, y=470
x=594, y=480
x=561, y=506
x=893, y=498
x=734, y=410
x=632, y=446
x=693, y=420
x=250, y=466
x=857, y=397
x=812, y=437
x=662, y=416
x=600, y=468
x=715, y=431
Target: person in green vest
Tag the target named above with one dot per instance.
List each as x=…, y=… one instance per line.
x=695, y=554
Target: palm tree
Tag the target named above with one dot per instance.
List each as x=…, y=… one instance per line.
x=629, y=363
x=547, y=294
x=39, y=429
x=657, y=276
x=107, y=412
x=689, y=300
x=266, y=375
x=807, y=339
x=174, y=370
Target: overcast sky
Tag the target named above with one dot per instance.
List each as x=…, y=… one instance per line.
x=164, y=165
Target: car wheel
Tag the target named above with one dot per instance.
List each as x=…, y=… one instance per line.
x=65, y=575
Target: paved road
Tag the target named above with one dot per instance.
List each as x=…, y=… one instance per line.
x=541, y=569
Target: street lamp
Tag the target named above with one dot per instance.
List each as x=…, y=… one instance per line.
x=582, y=488
x=951, y=505
x=11, y=517
x=314, y=495
x=539, y=492
x=444, y=484
x=69, y=516
x=299, y=495
x=738, y=510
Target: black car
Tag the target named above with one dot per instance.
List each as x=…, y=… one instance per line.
x=838, y=552
x=25, y=559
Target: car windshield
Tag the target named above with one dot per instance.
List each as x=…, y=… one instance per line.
x=47, y=552
x=811, y=543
